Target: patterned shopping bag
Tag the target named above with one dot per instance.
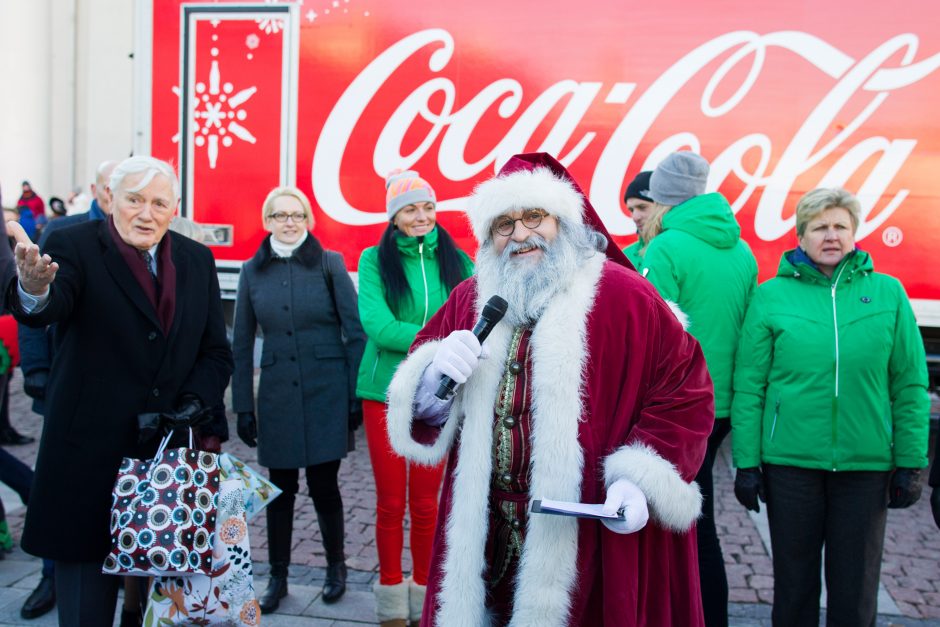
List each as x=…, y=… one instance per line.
x=258, y=490
x=227, y=595
x=163, y=513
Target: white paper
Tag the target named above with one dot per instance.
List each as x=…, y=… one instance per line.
x=568, y=508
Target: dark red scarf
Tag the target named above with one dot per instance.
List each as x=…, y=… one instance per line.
x=164, y=302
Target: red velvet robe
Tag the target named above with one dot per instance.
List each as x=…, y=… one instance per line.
x=620, y=390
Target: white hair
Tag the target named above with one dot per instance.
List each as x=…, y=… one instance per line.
x=530, y=287
x=188, y=228
x=103, y=172
x=150, y=166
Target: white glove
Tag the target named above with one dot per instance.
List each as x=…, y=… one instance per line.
x=624, y=495
x=457, y=357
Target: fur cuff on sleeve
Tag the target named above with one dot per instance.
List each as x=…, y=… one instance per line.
x=680, y=315
x=673, y=503
x=401, y=395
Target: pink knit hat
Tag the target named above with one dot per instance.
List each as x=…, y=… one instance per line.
x=403, y=188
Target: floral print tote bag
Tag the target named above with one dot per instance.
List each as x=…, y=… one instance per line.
x=227, y=595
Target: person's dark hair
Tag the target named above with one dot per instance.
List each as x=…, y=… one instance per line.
x=392, y=273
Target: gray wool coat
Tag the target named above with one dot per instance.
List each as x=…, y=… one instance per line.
x=310, y=355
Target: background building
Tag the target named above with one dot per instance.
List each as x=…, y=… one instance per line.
x=68, y=73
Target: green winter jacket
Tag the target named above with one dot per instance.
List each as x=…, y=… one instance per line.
x=390, y=337
x=633, y=253
x=700, y=262
x=830, y=374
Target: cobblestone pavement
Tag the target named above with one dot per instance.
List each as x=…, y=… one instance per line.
x=910, y=571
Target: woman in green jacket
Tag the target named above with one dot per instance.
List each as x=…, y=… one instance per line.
x=696, y=258
x=830, y=414
x=402, y=282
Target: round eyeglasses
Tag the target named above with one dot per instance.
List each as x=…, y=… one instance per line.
x=281, y=217
x=531, y=219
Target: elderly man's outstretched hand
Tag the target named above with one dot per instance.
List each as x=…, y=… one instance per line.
x=625, y=495
x=36, y=272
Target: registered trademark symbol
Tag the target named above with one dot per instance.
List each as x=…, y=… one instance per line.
x=892, y=236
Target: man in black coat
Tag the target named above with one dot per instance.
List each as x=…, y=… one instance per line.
x=140, y=330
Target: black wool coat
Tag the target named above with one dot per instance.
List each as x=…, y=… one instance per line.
x=113, y=362
x=312, y=348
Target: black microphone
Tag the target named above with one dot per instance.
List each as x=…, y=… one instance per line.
x=493, y=312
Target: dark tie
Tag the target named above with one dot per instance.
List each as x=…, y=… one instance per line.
x=148, y=261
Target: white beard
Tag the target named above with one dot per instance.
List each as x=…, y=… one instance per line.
x=528, y=285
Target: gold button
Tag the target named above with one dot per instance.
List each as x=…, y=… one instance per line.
x=509, y=421
x=515, y=367
x=506, y=478
x=516, y=524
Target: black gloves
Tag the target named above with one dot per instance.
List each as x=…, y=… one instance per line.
x=34, y=384
x=247, y=428
x=935, y=505
x=905, y=488
x=189, y=413
x=355, y=414
x=748, y=487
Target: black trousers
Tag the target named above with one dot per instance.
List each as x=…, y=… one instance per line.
x=322, y=482
x=844, y=511
x=84, y=596
x=711, y=562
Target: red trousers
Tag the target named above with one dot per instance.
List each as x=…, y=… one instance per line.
x=394, y=477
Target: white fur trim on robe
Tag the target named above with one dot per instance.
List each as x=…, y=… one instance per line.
x=401, y=395
x=673, y=503
x=548, y=566
x=680, y=315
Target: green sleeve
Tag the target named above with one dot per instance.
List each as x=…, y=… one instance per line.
x=659, y=268
x=751, y=371
x=633, y=254
x=378, y=321
x=907, y=381
x=467, y=264
x=4, y=359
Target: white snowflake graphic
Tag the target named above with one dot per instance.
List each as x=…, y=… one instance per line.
x=270, y=25
x=217, y=114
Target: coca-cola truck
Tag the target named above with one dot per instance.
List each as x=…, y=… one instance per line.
x=331, y=95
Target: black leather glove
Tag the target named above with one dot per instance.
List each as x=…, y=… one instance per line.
x=935, y=505
x=34, y=384
x=905, y=488
x=247, y=427
x=189, y=412
x=749, y=487
x=355, y=414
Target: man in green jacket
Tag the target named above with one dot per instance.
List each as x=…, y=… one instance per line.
x=696, y=258
x=639, y=203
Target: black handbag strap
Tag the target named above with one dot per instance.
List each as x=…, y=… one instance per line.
x=328, y=277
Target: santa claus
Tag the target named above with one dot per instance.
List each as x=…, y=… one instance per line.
x=588, y=390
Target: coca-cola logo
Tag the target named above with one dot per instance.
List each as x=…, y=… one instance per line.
x=872, y=78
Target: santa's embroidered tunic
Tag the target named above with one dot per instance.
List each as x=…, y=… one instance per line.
x=509, y=481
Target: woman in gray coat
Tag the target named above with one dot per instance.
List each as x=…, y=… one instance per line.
x=305, y=303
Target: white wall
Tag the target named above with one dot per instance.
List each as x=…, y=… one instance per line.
x=25, y=69
x=67, y=105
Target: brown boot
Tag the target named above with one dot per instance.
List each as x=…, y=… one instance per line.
x=391, y=604
x=416, y=593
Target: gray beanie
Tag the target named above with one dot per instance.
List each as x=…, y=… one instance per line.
x=680, y=176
